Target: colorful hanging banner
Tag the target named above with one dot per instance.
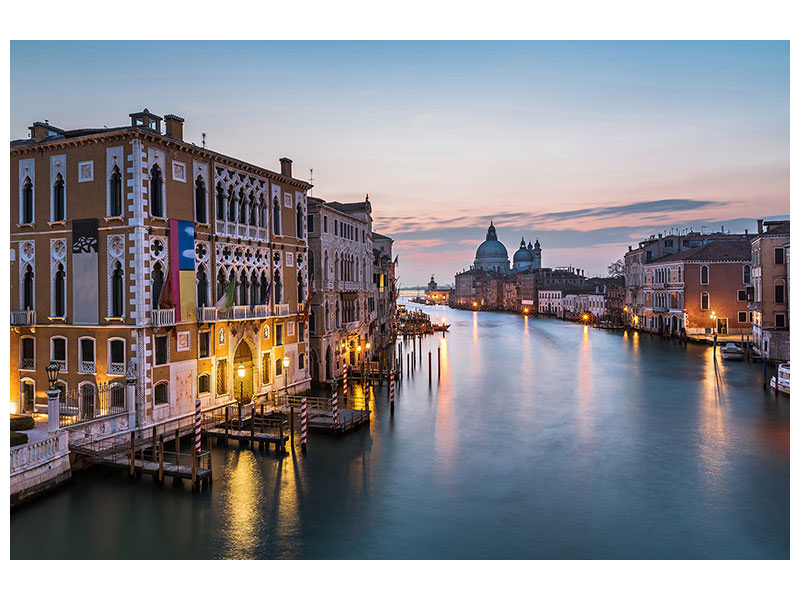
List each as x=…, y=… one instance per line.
x=181, y=249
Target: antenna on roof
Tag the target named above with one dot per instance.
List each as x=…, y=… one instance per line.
x=204, y=140
x=311, y=177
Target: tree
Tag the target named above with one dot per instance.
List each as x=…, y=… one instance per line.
x=617, y=268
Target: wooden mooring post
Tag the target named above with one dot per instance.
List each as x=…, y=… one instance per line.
x=161, y=459
x=439, y=363
x=291, y=426
x=194, y=467
x=133, y=455
x=226, y=425
x=177, y=447
x=430, y=371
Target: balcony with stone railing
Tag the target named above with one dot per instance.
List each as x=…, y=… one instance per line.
x=207, y=314
x=282, y=310
x=27, y=364
x=87, y=366
x=162, y=317
x=116, y=368
x=23, y=317
x=240, y=313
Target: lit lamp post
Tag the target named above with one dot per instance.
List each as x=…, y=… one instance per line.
x=52, y=397
x=714, y=316
x=240, y=373
x=286, y=375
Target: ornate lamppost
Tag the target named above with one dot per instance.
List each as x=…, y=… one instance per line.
x=53, y=396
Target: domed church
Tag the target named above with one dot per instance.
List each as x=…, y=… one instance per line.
x=493, y=256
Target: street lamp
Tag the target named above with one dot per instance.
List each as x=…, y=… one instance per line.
x=53, y=402
x=286, y=374
x=240, y=373
x=52, y=374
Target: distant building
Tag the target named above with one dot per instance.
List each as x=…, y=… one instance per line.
x=436, y=294
x=768, y=290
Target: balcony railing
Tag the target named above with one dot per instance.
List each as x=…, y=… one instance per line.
x=27, y=364
x=163, y=317
x=23, y=317
x=116, y=368
x=87, y=366
x=241, y=313
x=61, y=364
x=207, y=314
x=281, y=310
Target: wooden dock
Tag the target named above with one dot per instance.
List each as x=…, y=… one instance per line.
x=250, y=436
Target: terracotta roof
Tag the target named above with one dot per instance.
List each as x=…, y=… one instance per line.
x=721, y=251
x=776, y=228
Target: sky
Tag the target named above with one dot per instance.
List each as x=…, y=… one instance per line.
x=588, y=147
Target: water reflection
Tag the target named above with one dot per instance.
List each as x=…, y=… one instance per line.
x=712, y=424
x=241, y=505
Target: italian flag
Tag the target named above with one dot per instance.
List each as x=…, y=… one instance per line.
x=227, y=298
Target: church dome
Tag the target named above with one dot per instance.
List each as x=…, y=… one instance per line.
x=523, y=256
x=491, y=248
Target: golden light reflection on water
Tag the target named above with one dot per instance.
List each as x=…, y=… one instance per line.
x=241, y=506
x=586, y=424
x=474, y=327
x=713, y=418
x=444, y=434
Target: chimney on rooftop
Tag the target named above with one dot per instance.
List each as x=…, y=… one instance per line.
x=286, y=167
x=760, y=226
x=174, y=126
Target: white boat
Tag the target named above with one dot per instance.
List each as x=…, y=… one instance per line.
x=731, y=351
x=782, y=383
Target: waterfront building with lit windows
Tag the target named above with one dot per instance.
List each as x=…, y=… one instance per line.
x=701, y=290
x=123, y=239
x=768, y=291
x=343, y=307
x=654, y=248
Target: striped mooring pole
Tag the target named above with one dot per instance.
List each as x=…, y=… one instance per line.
x=391, y=391
x=335, y=405
x=303, y=424
x=344, y=383
x=197, y=426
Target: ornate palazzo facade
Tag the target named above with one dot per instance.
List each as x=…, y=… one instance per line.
x=122, y=242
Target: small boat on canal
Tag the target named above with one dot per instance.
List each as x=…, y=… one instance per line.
x=781, y=384
x=731, y=351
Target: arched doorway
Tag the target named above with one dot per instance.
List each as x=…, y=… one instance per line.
x=314, y=365
x=328, y=363
x=674, y=323
x=243, y=386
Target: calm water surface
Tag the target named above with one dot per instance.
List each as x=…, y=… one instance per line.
x=543, y=439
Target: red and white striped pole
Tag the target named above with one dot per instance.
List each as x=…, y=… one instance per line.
x=391, y=391
x=335, y=405
x=344, y=384
x=303, y=425
x=197, y=426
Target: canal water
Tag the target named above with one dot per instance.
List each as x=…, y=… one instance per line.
x=541, y=439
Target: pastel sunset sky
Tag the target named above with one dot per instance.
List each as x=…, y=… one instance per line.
x=587, y=146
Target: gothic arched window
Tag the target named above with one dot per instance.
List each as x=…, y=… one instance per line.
x=156, y=192
x=27, y=293
x=300, y=221
x=27, y=201
x=222, y=284
x=278, y=287
x=156, y=284
x=117, y=295
x=220, y=202
x=200, y=200
x=276, y=217
x=58, y=199
x=253, y=210
x=115, y=194
x=263, y=213
x=254, y=288
x=202, y=287
x=300, y=295
x=60, y=292
x=243, y=288
x=264, y=286
x=242, y=208
x=231, y=205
